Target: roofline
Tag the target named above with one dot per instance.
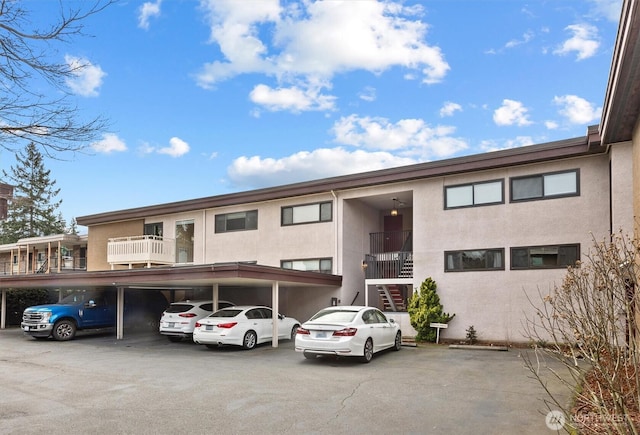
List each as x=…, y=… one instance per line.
x=171, y=277
x=562, y=149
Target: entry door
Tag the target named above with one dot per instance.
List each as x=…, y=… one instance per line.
x=393, y=233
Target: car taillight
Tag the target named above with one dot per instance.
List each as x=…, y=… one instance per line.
x=198, y=324
x=302, y=331
x=227, y=325
x=188, y=315
x=346, y=332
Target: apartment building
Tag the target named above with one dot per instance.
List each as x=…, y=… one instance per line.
x=494, y=230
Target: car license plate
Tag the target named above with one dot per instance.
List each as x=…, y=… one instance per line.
x=171, y=325
x=209, y=327
x=321, y=334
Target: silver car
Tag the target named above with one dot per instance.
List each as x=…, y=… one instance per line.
x=179, y=319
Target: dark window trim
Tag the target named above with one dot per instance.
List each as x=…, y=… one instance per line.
x=528, y=248
x=319, y=204
x=500, y=180
x=215, y=220
x=318, y=259
x=542, y=175
x=501, y=250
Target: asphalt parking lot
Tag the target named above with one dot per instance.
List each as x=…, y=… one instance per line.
x=144, y=384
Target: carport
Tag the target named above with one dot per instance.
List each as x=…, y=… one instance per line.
x=213, y=275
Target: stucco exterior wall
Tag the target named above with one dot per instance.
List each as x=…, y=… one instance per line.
x=622, y=187
x=98, y=236
x=496, y=302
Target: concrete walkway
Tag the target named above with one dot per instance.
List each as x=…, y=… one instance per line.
x=147, y=385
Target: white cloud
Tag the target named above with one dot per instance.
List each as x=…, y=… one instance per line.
x=494, y=145
x=368, y=94
x=146, y=12
x=526, y=37
x=255, y=171
x=449, y=109
x=511, y=113
x=110, y=143
x=610, y=9
x=177, y=147
x=409, y=137
x=551, y=125
x=293, y=99
x=577, y=110
x=87, y=78
x=312, y=41
x=584, y=41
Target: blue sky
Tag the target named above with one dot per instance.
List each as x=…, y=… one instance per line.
x=221, y=96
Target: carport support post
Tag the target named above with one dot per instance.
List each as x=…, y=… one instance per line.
x=215, y=296
x=119, y=312
x=3, y=310
x=275, y=304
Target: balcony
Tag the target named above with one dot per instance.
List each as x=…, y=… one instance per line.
x=391, y=255
x=141, y=250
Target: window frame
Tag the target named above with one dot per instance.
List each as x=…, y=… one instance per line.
x=319, y=260
x=473, y=185
x=542, y=267
x=461, y=251
x=218, y=230
x=542, y=175
x=283, y=209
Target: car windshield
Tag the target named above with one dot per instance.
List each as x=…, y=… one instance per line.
x=74, y=298
x=329, y=315
x=178, y=308
x=226, y=313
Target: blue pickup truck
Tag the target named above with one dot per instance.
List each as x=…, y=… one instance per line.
x=89, y=309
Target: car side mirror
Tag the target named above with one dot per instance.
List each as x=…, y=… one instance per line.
x=280, y=316
x=90, y=304
x=392, y=321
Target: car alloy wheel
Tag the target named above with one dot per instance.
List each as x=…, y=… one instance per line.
x=249, y=340
x=368, y=351
x=398, y=342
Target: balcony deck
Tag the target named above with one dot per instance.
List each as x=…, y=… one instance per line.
x=141, y=250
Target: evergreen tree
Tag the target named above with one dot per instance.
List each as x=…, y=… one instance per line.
x=32, y=211
x=424, y=308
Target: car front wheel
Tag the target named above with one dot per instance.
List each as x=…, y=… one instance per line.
x=249, y=340
x=398, y=342
x=368, y=351
x=64, y=330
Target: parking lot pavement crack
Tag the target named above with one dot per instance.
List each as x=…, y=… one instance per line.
x=343, y=402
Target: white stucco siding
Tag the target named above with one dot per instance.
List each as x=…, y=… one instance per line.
x=495, y=302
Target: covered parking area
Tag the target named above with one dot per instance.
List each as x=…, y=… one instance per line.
x=241, y=275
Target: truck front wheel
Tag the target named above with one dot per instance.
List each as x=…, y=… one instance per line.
x=64, y=330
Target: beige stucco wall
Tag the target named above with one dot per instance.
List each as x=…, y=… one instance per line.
x=622, y=187
x=495, y=302
x=98, y=236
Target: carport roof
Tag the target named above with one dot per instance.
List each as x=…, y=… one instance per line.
x=232, y=274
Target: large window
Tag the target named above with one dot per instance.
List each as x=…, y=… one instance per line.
x=184, y=241
x=540, y=257
x=323, y=265
x=545, y=186
x=153, y=229
x=240, y=221
x=477, y=259
x=308, y=213
x=474, y=194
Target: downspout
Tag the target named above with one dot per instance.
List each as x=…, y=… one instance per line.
x=204, y=237
x=335, y=232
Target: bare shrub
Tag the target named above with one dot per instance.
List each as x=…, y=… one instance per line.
x=587, y=324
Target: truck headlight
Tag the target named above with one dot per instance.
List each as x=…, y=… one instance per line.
x=46, y=316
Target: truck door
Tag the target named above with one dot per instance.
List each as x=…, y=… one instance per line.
x=96, y=311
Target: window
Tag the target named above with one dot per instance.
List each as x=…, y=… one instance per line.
x=153, y=229
x=240, y=221
x=478, y=259
x=540, y=257
x=323, y=265
x=475, y=194
x=545, y=186
x=184, y=241
x=304, y=214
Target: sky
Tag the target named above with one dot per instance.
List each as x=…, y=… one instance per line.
x=220, y=96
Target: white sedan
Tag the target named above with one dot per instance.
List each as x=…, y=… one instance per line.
x=244, y=326
x=348, y=331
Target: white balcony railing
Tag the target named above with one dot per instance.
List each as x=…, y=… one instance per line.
x=146, y=250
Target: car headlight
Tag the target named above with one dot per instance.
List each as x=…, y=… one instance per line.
x=46, y=315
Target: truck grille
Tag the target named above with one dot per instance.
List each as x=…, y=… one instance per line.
x=34, y=317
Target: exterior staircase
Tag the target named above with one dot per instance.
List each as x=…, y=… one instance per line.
x=392, y=297
x=407, y=268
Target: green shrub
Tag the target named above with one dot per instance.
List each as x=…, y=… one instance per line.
x=424, y=308
x=18, y=300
